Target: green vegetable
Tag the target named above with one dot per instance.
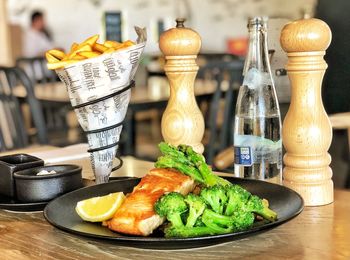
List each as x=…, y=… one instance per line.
x=236, y=222
x=185, y=232
x=184, y=159
x=199, y=161
x=256, y=205
x=229, y=200
x=171, y=206
x=215, y=197
x=237, y=196
x=196, y=207
x=169, y=162
x=221, y=206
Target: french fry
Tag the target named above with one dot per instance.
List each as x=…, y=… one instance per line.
x=60, y=64
x=74, y=46
x=78, y=57
x=90, y=41
x=50, y=58
x=81, y=48
x=88, y=54
x=112, y=44
x=109, y=50
x=128, y=43
x=57, y=54
x=99, y=47
x=89, y=48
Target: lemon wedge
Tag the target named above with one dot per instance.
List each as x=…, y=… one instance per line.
x=99, y=209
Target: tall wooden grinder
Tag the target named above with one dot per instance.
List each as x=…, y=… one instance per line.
x=182, y=121
x=307, y=132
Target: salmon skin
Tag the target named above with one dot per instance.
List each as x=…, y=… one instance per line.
x=136, y=216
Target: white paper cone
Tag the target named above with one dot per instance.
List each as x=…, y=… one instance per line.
x=102, y=163
x=99, y=91
x=104, y=113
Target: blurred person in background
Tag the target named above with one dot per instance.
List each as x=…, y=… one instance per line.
x=37, y=39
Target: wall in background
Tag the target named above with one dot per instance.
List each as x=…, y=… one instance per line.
x=5, y=50
x=215, y=20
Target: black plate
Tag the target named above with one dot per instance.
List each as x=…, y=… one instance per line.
x=61, y=213
x=16, y=205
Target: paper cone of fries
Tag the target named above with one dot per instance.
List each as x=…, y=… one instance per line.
x=99, y=90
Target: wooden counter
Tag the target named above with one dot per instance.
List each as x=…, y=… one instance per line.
x=317, y=233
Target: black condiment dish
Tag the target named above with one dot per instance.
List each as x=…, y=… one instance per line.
x=31, y=187
x=10, y=164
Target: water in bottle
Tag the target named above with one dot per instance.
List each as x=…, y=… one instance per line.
x=257, y=127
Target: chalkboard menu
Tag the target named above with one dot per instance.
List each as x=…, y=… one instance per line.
x=160, y=27
x=113, y=26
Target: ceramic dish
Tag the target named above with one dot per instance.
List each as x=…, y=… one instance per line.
x=10, y=164
x=61, y=213
x=31, y=187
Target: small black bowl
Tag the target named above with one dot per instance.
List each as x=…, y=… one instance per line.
x=31, y=187
x=9, y=164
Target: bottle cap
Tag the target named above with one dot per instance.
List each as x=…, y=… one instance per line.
x=252, y=21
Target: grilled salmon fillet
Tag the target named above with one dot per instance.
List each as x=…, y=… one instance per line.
x=136, y=215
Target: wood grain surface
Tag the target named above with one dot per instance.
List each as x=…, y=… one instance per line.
x=307, y=131
x=182, y=120
x=317, y=233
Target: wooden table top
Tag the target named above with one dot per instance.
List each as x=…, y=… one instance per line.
x=317, y=233
x=156, y=90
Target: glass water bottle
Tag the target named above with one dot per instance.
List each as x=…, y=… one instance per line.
x=257, y=128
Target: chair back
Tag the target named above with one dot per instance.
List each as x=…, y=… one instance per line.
x=220, y=114
x=55, y=113
x=13, y=133
x=36, y=70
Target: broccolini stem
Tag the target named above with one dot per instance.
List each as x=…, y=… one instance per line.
x=185, y=232
x=175, y=220
x=171, y=162
x=210, y=216
x=267, y=213
x=197, y=159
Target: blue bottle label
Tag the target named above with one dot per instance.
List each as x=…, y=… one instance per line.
x=243, y=155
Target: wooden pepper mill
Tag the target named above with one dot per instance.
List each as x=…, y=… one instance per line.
x=182, y=121
x=307, y=132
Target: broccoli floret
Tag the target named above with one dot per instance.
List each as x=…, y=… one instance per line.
x=196, y=207
x=241, y=200
x=256, y=205
x=215, y=197
x=194, y=215
x=237, y=196
x=235, y=222
x=243, y=220
x=171, y=206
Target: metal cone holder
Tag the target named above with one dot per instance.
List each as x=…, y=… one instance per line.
x=99, y=90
